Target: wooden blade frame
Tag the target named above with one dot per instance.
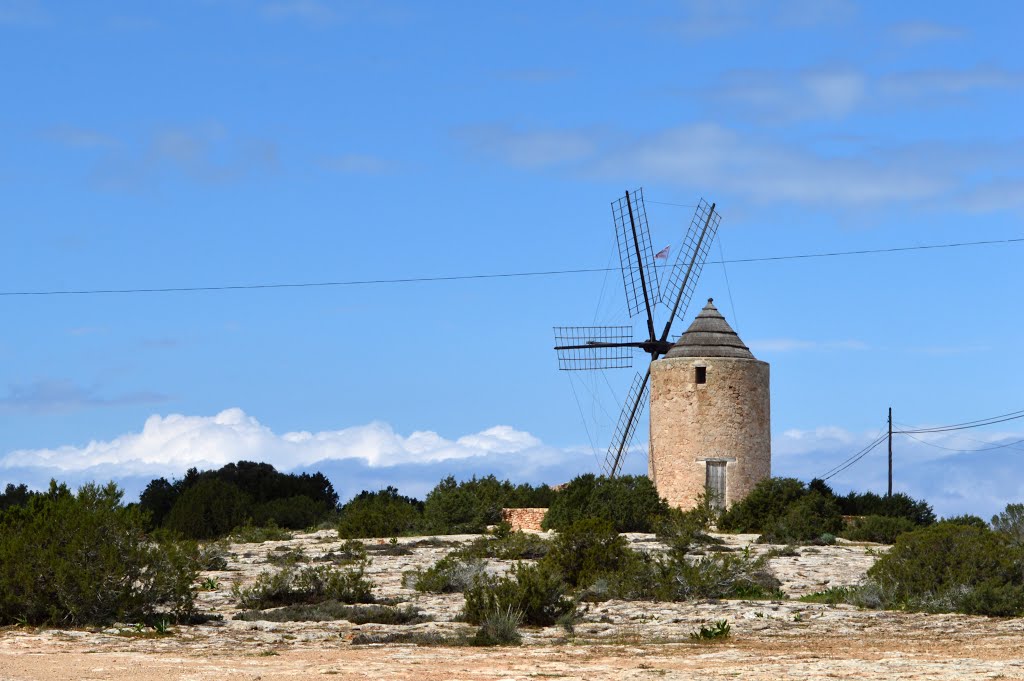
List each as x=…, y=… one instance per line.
x=583, y=348
x=636, y=256
x=625, y=429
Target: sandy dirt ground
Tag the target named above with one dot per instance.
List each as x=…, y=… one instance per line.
x=615, y=640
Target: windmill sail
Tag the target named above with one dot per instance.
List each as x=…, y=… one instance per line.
x=581, y=348
x=608, y=347
x=625, y=429
x=636, y=256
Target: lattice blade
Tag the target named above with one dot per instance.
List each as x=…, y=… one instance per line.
x=682, y=280
x=635, y=251
x=632, y=410
x=584, y=359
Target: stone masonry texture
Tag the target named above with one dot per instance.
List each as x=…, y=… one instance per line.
x=524, y=518
x=727, y=418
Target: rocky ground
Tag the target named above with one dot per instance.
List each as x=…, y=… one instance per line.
x=615, y=640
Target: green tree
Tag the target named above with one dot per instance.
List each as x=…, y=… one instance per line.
x=630, y=502
x=209, y=509
x=73, y=559
x=384, y=513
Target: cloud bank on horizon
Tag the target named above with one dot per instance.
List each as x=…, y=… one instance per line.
x=956, y=473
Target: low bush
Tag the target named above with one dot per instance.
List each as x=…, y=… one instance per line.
x=812, y=519
x=468, y=507
x=877, y=528
x=966, y=519
x=313, y=584
x=898, y=505
x=767, y=502
x=630, y=502
x=71, y=559
x=511, y=546
x=718, y=631
x=384, y=513
x=499, y=628
x=949, y=567
x=538, y=592
x=451, y=574
x=251, y=534
x=334, y=610
x=587, y=550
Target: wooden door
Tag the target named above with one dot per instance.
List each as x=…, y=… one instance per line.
x=715, y=483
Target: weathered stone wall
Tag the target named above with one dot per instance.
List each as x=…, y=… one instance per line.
x=524, y=518
x=727, y=418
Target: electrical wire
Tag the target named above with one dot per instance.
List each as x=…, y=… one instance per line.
x=470, y=277
x=843, y=465
x=992, y=420
x=858, y=457
x=965, y=451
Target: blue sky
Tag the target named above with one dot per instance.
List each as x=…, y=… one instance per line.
x=225, y=142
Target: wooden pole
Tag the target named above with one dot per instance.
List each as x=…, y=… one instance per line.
x=890, y=452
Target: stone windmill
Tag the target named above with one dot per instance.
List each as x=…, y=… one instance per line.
x=709, y=403
x=710, y=416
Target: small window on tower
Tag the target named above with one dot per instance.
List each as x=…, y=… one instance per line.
x=700, y=374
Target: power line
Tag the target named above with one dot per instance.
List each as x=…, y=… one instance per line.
x=470, y=277
x=1002, y=418
x=842, y=466
x=967, y=451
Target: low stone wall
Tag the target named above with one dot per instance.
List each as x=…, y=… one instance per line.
x=524, y=518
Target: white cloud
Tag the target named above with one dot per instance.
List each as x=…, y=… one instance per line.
x=973, y=472
x=176, y=442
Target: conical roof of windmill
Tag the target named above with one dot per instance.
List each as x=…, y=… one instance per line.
x=710, y=336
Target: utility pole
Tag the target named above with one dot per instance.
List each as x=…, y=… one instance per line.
x=890, y=452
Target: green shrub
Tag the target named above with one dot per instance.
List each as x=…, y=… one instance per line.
x=451, y=574
x=537, y=591
x=898, y=505
x=767, y=502
x=877, y=528
x=716, y=576
x=511, y=546
x=716, y=632
x=293, y=513
x=813, y=518
x=499, y=628
x=952, y=567
x=1010, y=523
x=312, y=584
x=250, y=534
x=333, y=610
x=587, y=550
x=74, y=559
x=834, y=595
x=966, y=519
x=630, y=502
x=384, y=513
x=208, y=510
x=468, y=507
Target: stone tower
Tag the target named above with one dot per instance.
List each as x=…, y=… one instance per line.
x=710, y=424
